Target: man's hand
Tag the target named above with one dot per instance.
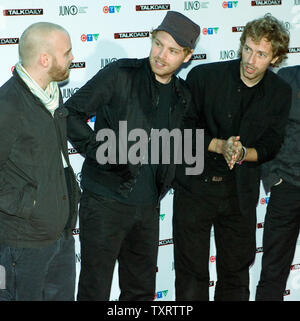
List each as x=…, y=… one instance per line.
x=232, y=150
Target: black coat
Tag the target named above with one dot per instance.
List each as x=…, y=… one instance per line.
x=35, y=206
x=214, y=89
x=123, y=91
x=286, y=164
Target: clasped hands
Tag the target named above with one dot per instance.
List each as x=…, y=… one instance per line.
x=232, y=150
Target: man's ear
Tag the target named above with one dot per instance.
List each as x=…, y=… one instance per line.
x=189, y=56
x=274, y=60
x=45, y=59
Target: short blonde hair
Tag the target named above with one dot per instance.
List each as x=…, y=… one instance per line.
x=186, y=50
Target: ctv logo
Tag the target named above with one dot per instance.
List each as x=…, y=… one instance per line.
x=89, y=37
x=260, y=225
x=229, y=4
x=210, y=31
x=213, y=259
x=91, y=119
x=111, y=9
x=161, y=294
x=162, y=216
x=264, y=200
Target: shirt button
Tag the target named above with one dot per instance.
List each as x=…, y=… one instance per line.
x=229, y=116
x=239, y=89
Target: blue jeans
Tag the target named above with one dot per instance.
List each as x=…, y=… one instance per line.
x=38, y=274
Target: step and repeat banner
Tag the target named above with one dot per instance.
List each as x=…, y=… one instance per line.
x=103, y=31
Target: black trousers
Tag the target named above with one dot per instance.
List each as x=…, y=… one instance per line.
x=281, y=230
x=234, y=233
x=110, y=231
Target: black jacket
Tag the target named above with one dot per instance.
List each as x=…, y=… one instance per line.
x=34, y=203
x=123, y=91
x=286, y=164
x=215, y=89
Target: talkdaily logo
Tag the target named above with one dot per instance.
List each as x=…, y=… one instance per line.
x=295, y=267
x=165, y=242
x=9, y=41
x=152, y=7
x=238, y=29
x=128, y=35
x=75, y=231
x=265, y=3
x=71, y=10
x=23, y=12
x=294, y=50
x=72, y=151
x=199, y=56
x=78, y=65
x=195, y=5
x=259, y=249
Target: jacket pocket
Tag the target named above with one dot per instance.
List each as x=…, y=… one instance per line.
x=18, y=202
x=28, y=201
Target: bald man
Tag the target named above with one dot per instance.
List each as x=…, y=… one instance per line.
x=38, y=191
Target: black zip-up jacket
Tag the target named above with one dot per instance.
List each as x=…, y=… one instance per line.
x=123, y=91
x=35, y=205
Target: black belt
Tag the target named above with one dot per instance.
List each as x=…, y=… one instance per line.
x=218, y=179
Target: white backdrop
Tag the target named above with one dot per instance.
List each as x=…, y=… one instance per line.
x=103, y=31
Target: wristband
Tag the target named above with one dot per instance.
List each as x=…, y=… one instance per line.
x=240, y=162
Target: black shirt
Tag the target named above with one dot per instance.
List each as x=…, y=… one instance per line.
x=226, y=129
